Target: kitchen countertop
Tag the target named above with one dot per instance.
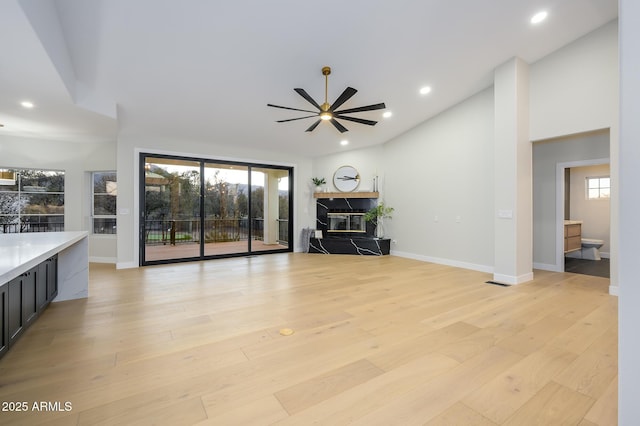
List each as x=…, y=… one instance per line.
x=21, y=252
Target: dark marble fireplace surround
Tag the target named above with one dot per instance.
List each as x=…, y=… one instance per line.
x=360, y=243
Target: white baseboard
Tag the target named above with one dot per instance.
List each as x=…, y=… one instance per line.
x=513, y=279
x=466, y=265
x=613, y=290
x=441, y=261
x=126, y=265
x=547, y=267
x=97, y=259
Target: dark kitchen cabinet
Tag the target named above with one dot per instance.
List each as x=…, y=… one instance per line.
x=52, y=277
x=29, y=303
x=16, y=317
x=42, y=297
x=23, y=299
x=46, y=282
x=4, y=319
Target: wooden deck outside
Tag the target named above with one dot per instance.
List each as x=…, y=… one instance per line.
x=180, y=251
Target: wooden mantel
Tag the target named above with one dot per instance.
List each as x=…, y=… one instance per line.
x=345, y=195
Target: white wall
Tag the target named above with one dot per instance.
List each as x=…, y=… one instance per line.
x=594, y=213
x=439, y=178
x=442, y=168
x=575, y=89
x=129, y=148
x=76, y=159
x=366, y=161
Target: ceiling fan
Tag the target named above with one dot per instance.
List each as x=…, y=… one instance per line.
x=331, y=113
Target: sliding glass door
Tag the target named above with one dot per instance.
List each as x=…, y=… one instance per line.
x=226, y=207
x=270, y=208
x=171, y=219
x=198, y=209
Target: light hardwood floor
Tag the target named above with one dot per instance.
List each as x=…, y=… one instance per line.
x=377, y=341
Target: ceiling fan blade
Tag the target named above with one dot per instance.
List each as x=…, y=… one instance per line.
x=293, y=109
x=356, y=120
x=313, y=126
x=309, y=99
x=363, y=108
x=344, y=97
x=294, y=119
x=338, y=126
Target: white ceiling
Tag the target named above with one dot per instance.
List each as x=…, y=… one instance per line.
x=205, y=70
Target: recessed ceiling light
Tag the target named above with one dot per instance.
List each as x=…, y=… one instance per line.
x=344, y=142
x=387, y=114
x=539, y=17
x=425, y=90
x=27, y=104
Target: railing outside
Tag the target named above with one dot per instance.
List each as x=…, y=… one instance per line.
x=177, y=231
x=283, y=231
x=215, y=230
x=23, y=227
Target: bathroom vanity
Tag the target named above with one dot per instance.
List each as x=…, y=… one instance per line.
x=572, y=235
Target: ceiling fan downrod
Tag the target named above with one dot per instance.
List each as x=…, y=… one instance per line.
x=326, y=115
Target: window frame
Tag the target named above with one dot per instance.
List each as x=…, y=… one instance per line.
x=31, y=226
x=95, y=216
x=599, y=188
x=147, y=162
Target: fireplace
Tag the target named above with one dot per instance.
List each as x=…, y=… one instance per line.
x=340, y=218
x=339, y=222
x=344, y=217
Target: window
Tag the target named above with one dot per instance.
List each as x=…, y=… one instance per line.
x=105, y=189
x=598, y=188
x=31, y=200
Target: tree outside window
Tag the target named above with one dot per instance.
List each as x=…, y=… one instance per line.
x=31, y=200
x=105, y=190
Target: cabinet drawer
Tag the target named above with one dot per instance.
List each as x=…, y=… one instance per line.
x=573, y=230
x=573, y=243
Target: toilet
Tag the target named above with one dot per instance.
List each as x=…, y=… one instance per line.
x=591, y=248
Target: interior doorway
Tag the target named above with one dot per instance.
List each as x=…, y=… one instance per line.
x=577, y=204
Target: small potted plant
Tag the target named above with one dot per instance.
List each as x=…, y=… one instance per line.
x=318, y=182
x=375, y=216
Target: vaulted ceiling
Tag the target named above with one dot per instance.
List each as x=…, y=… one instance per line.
x=206, y=70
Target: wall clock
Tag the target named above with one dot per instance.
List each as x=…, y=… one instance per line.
x=346, y=179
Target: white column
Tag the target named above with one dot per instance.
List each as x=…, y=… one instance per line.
x=271, y=207
x=629, y=213
x=513, y=258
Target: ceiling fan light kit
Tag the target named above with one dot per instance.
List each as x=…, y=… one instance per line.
x=330, y=112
